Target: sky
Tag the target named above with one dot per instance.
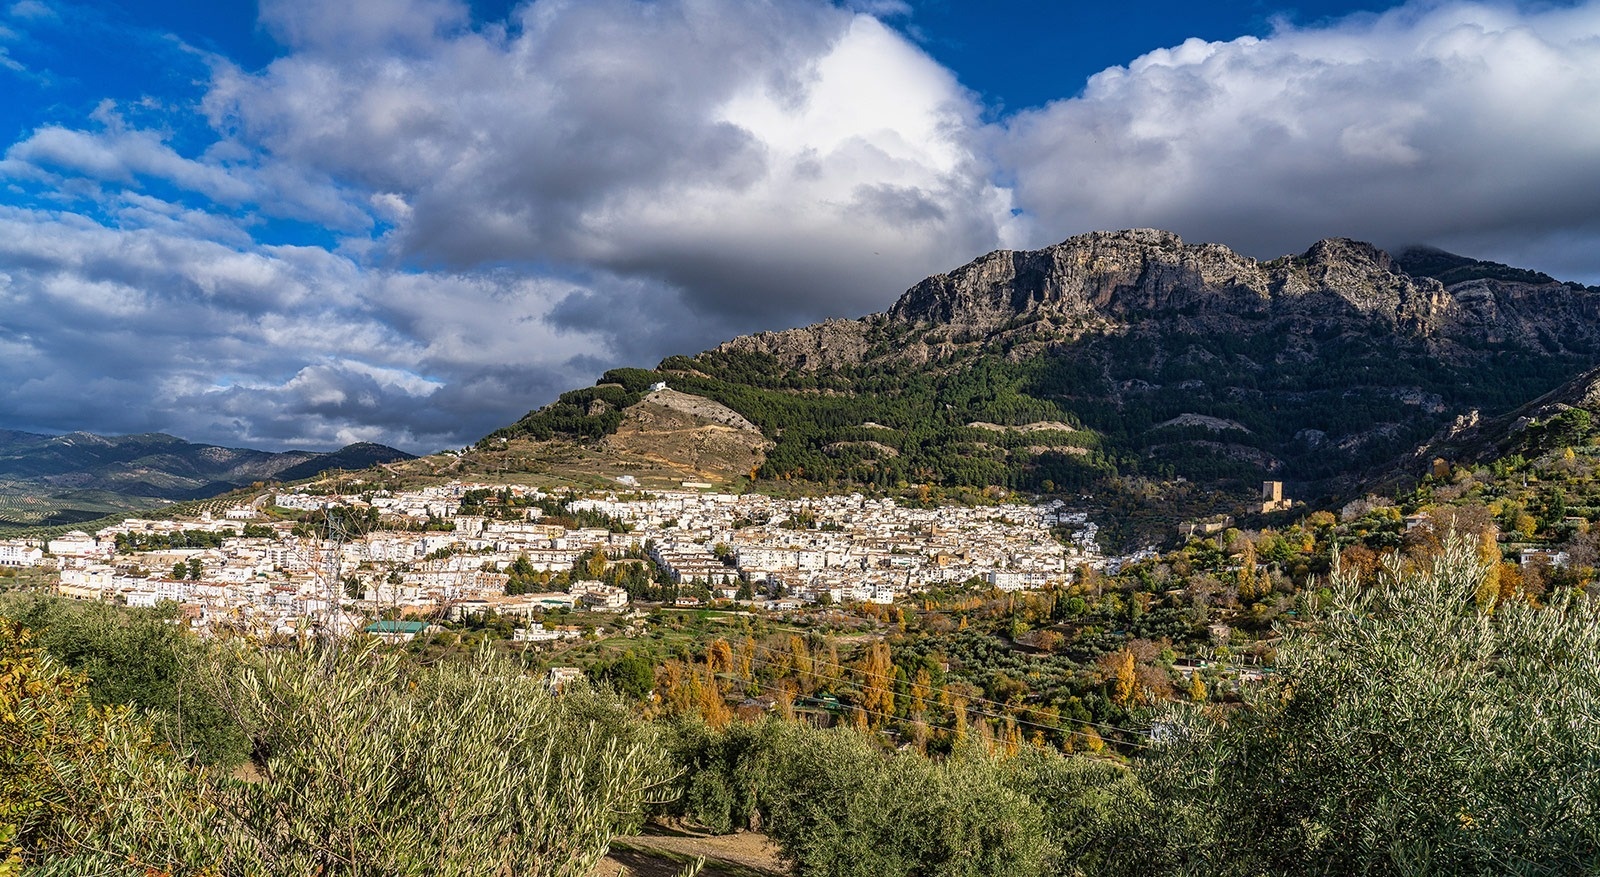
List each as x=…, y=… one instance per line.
x=296, y=223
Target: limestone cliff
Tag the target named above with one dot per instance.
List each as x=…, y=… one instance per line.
x=1118, y=281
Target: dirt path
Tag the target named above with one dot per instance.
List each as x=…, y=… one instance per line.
x=663, y=852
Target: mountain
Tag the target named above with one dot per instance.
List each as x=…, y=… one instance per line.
x=1135, y=354
x=48, y=480
x=361, y=455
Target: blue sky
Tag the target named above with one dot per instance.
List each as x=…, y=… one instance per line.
x=303, y=224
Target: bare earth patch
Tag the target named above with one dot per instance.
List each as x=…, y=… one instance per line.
x=663, y=852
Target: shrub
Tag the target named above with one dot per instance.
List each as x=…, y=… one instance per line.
x=141, y=658
x=361, y=763
x=837, y=805
x=1411, y=731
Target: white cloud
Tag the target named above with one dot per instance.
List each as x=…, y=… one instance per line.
x=361, y=25
x=135, y=330
x=786, y=160
x=502, y=211
x=31, y=10
x=1459, y=124
x=123, y=157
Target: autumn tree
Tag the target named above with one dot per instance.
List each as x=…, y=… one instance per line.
x=719, y=656
x=921, y=689
x=594, y=563
x=875, y=673
x=1121, y=671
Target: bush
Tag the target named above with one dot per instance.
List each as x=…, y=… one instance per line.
x=361, y=763
x=837, y=805
x=1093, y=809
x=1413, y=731
x=71, y=773
x=142, y=658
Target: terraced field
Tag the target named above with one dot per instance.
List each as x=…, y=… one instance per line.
x=25, y=506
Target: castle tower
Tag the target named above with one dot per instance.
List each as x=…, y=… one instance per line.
x=1272, y=497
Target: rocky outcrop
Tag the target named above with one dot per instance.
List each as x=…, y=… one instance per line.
x=1122, y=281
x=829, y=344
x=693, y=436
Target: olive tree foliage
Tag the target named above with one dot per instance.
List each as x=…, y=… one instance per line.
x=369, y=764
x=845, y=809
x=838, y=805
x=1412, y=730
x=1093, y=809
x=58, y=752
x=142, y=658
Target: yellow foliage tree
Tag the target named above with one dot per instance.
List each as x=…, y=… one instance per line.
x=1124, y=679
x=594, y=563
x=719, y=656
x=876, y=674
x=921, y=688
x=713, y=707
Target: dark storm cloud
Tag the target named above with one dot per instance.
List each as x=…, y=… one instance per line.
x=713, y=145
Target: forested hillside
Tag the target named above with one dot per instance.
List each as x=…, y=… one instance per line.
x=1135, y=354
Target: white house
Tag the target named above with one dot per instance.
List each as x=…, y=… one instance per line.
x=77, y=544
x=17, y=552
x=600, y=596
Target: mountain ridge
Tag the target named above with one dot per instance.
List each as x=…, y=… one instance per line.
x=1103, y=281
x=52, y=479
x=1336, y=364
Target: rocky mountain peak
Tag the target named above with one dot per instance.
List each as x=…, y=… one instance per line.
x=1149, y=280
x=1106, y=279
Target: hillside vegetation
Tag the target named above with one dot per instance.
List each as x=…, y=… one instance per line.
x=1144, y=357
x=58, y=481
x=1415, y=726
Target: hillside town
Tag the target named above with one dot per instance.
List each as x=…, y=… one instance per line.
x=448, y=552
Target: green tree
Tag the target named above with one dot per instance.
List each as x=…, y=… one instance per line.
x=69, y=771
x=1412, y=730
x=631, y=675
x=363, y=764
x=141, y=658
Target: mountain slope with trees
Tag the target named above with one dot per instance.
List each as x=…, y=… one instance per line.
x=49, y=480
x=1134, y=355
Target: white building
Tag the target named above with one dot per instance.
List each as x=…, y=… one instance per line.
x=599, y=596
x=16, y=552
x=78, y=544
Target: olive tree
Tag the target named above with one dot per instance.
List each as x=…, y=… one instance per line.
x=1411, y=729
x=362, y=763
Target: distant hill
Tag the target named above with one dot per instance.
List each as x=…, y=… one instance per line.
x=362, y=455
x=1145, y=356
x=51, y=480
